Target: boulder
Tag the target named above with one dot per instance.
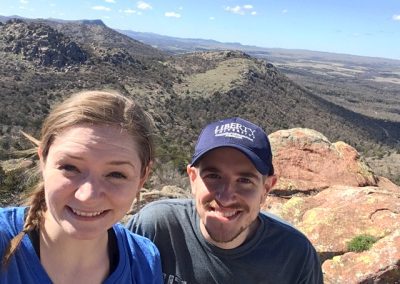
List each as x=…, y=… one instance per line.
x=329, y=193
x=380, y=264
x=334, y=216
x=305, y=160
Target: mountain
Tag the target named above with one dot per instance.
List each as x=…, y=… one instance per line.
x=323, y=186
x=183, y=92
x=366, y=85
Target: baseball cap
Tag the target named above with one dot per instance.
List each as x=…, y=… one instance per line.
x=240, y=134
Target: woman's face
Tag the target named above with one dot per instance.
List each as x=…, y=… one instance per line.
x=91, y=176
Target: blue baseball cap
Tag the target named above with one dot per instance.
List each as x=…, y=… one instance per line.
x=240, y=134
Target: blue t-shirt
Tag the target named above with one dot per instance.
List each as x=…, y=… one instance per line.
x=139, y=260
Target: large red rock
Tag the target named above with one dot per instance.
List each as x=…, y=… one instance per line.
x=305, y=160
x=328, y=192
x=334, y=216
x=380, y=264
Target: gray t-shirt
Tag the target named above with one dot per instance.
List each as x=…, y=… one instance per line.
x=277, y=253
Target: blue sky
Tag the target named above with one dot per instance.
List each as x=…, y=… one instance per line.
x=359, y=27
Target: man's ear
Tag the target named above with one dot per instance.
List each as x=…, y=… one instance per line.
x=192, y=174
x=269, y=183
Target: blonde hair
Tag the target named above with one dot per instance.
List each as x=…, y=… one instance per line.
x=89, y=107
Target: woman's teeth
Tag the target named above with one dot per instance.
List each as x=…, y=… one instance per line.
x=87, y=214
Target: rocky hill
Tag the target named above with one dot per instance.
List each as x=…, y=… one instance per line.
x=325, y=189
x=40, y=43
x=182, y=92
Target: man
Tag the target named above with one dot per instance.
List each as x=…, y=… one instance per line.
x=221, y=236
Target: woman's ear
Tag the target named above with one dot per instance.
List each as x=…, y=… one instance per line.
x=146, y=174
x=41, y=158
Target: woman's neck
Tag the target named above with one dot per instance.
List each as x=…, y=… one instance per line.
x=67, y=260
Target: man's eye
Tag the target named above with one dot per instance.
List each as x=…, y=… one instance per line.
x=68, y=168
x=212, y=176
x=116, y=175
x=244, y=180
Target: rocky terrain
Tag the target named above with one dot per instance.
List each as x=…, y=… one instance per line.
x=325, y=189
x=329, y=192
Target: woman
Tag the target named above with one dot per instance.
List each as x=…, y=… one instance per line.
x=95, y=154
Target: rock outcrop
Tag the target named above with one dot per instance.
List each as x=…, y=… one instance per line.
x=305, y=160
x=41, y=44
x=380, y=264
x=328, y=192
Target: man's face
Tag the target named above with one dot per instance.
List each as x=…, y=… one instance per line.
x=228, y=191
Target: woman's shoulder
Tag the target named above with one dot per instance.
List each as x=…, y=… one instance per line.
x=12, y=216
x=134, y=241
x=11, y=223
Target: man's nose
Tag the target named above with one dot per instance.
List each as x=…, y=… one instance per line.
x=225, y=193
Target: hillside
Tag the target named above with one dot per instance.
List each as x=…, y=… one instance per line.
x=182, y=92
x=364, y=85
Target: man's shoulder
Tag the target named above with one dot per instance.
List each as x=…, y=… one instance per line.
x=167, y=206
x=161, y=212
x=278, y=226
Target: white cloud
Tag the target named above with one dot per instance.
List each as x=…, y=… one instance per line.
x=143, y=5
x=23, y=1
x=110, y=1
x=101, y=8
x=284, y=11
x=235, y=10
x=180, y=8
x=130, y=11
x=211, y=18
x=241, y=10
x=396, y=17
x=172, y=14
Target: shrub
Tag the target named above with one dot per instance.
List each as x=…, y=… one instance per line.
x=361, y=243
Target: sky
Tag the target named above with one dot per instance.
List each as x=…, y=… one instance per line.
x=358, y=27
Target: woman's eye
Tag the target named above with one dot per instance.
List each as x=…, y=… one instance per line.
x=68, y=168
x=117, y=175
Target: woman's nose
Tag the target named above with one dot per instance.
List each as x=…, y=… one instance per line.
x=89, y=189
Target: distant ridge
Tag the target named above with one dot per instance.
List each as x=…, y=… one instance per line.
x=178, y=45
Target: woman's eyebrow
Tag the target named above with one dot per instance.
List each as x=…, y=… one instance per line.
x=118, y=163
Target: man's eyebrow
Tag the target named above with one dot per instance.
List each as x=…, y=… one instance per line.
x=248, y=174
x=209, y=169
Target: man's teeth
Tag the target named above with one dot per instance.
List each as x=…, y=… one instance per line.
x=87, y=214
x=225, y=214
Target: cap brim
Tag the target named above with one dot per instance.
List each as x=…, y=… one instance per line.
x=257, y=162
